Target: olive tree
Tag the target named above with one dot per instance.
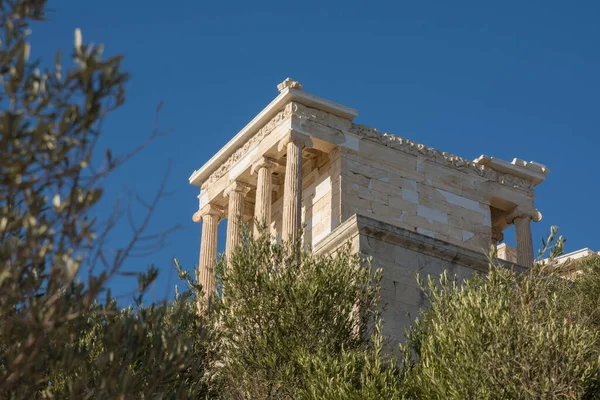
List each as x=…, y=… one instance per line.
x=61, y=333
x=294, y=325
x=508, y=335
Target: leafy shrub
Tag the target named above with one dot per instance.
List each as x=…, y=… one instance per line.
x=294, y=325
x=508, y=335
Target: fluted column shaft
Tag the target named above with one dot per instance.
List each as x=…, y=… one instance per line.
x=524, y=240
x=236, y=193
x=208, y=248
x=262, y=211
x=292, y=192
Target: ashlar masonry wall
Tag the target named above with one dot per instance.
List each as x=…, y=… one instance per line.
x=401, y=254
x=416, y=194
x=401, y=296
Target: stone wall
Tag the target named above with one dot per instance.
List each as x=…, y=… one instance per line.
x=507, y=253
x=401, y=254
x=400, y=293
x=416, y=194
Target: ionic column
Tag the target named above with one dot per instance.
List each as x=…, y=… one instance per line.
x=524, y=240
x=292, y=190
x=210, y=215
x=262, y=211
x=522, y=221
x=236, y=193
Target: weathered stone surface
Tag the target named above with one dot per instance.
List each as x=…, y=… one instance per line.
x=289, y=83
x=428, y=205
x=507, y=253
x=401, y=254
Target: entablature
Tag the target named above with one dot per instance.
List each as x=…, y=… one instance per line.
x=278, y=109
x=328, y=126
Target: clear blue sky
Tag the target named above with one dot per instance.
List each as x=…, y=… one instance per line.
x=508, y=79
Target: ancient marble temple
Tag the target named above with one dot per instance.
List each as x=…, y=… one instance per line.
x=302, y=163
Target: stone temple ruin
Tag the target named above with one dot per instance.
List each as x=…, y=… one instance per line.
x=302, y=163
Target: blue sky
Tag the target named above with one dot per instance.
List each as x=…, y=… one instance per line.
x=508, y=79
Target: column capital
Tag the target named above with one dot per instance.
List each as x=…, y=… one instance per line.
x=238, y=187
x=263, y=162
x=534, y=215
x=209, y=209
x=294, y=137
